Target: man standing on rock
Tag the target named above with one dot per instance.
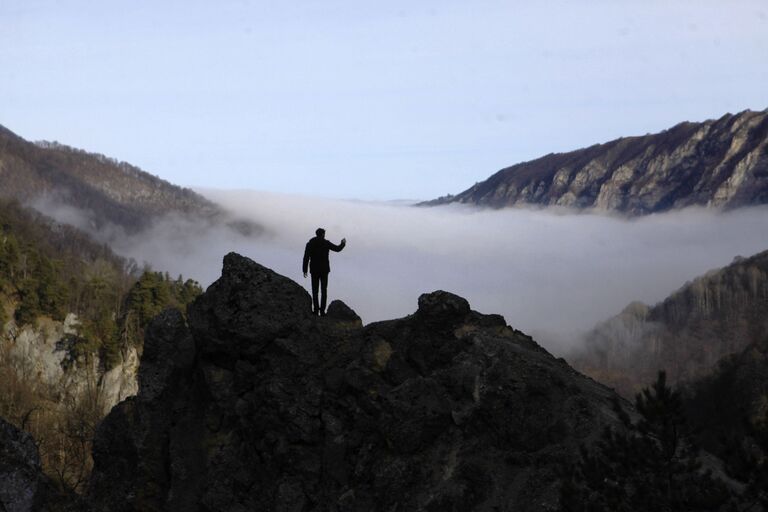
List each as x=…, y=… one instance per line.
x=316, y=257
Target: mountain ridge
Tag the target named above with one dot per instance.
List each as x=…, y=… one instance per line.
x=106, y=191
x=719, y=163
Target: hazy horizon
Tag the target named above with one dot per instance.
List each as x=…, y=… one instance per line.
x=553, y=274
x=281, y=105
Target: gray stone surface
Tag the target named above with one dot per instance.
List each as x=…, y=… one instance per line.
x=42, y=352
x=20, y=471
x=23, y=486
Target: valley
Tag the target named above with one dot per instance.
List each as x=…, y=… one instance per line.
x=79, y=376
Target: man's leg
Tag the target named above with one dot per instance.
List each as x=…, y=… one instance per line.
x=324, y=292
x=315, y=283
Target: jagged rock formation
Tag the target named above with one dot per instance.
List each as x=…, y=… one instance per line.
x=714, y=316
x=103, y=189
x=255, y=404
x=718, y=163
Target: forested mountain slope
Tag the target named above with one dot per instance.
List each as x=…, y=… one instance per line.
x=104, y=190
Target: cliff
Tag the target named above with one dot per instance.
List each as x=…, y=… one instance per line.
x=255, y=404
x=719, y=163
x=42, y=356
x=714, y=316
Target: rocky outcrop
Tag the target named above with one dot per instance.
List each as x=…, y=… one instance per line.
x=718, y=163
x=23, y=487
x=255, y=404
x=20, y=473
x=716, y=315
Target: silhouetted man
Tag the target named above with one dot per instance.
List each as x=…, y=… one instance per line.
x=316, y=257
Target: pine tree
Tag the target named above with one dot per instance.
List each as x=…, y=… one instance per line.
x=9, y=256
x=51, y=291
x=29, y=306
x=110, y=350
x=650, y=464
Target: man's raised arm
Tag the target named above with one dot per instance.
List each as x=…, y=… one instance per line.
x=337, y=248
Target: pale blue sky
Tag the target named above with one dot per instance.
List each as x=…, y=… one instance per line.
x=371, y=100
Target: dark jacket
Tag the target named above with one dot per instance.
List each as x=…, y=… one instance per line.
x=316, y=255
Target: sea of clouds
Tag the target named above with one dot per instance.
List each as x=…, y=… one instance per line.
x=552, y=274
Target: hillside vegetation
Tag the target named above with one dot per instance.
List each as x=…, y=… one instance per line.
x=105, y=192
x=50, y=273
x=49, y=269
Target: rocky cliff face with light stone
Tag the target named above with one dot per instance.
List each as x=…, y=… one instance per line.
x=719, y=163
x=255, y=404
x=714, y=316
x=42, y=356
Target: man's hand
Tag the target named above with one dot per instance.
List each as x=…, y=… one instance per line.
x=343, y=241
x=305, y=275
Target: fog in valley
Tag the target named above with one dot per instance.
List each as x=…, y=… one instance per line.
x=552, y=274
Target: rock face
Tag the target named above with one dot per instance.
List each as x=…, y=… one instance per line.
x=23, y=487
x=20, y=473
x=40, y=354
x=716, y=315
x=722, y=163
x=258, y=405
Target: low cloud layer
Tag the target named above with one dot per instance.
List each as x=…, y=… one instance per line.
x=550, y=274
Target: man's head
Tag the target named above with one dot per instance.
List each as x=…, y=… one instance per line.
x=320, y=232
